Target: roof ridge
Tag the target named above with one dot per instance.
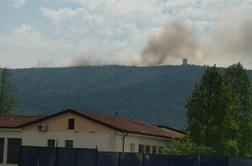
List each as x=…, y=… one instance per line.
x=139, y=126
x=118, y=123
x=22, y=116
x=113, y=116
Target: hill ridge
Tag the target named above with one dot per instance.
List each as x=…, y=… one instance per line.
x=152, y=94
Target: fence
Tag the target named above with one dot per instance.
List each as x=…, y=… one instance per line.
x=41, y=156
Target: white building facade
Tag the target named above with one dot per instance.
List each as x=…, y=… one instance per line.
x=79, y=129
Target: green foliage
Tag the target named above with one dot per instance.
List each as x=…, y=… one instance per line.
x=152, y=94
x=231, y=148
x=238, y=77
x=219, y=111
x=210, y=113
x=186, y=147
x=7, y=101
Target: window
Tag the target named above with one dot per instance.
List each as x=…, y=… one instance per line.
x=154, y=150
x=141, y=148
x=51, y=143
x=1, y=149
x=71, y=124
x=147, y=149
x=69, y=143
x=14, y=145
x=132, y=147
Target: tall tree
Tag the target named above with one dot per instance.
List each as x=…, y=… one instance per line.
x=7, y=101
x=237, y=76
x=210, y=111
x=186, y=147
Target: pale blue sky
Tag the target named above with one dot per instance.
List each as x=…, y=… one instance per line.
x=64, y=32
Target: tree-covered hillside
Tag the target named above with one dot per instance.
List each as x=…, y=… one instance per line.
x=152, y=94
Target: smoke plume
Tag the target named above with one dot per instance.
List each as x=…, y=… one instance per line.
x=230, y=41
x=174, y=40
x=44, y=63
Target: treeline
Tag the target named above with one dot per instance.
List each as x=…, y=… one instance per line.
x=7, y=101
x=219, y=115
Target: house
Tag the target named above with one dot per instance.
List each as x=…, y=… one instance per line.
x=74, y=128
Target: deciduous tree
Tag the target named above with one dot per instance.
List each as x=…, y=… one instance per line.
x=7, y=101
x=210, y=111
x=237, y=76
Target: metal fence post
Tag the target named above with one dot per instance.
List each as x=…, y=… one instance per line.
x=56, y=157
x=119, y=159
x=38, y=159
x=19, y=157
x=96, y=156
x=198, y=160
x=142, y=162
x=75, y=156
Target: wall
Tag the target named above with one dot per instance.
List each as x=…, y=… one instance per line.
x=60, y=124
x=86, y=133
x=31, y=157
x=144, y=140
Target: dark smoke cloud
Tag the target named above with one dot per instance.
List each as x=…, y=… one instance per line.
x=90, y=58
x=44, y=63
x=230, y=41
x=86, y=61
x=174, y=41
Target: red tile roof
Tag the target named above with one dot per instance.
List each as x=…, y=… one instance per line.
x=16, y=121
x=117, y=123
x=130, y=126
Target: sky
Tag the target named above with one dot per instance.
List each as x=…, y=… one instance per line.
x=57, y=33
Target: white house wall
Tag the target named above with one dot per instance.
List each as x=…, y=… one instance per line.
x=87, y=134
x=103, y=141
x=144, y=140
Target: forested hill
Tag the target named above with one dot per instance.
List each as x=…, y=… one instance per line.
x=152, y=94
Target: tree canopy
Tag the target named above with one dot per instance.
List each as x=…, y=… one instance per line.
x=7, y=101
x=219, y=114
x=186, y=147
x=210, y=112
x=237, y=76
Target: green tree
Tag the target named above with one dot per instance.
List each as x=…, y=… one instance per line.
x=186, y=147
x=7, y=101
x=237, y=76
x=210, y=112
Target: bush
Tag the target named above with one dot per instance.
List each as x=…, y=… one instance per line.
x=186, y=147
